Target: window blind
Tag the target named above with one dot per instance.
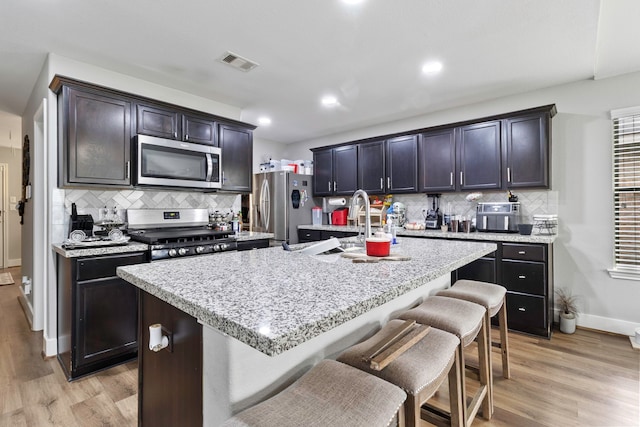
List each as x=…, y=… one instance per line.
x=626, y=191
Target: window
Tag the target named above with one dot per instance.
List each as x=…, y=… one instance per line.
x=626, y=193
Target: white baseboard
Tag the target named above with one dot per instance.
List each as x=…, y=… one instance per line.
x=26, y=308
x=606, y=324
x=49, y=346
x=14, y=262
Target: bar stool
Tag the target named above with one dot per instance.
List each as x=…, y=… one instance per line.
x=330, y=394
x=492, y=298
x=419, y=371
x=467, y=321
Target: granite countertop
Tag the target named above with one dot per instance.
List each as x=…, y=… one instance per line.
x=105, y=250
x=253, y=235
x=535, y=237
x=274, y=300
x=136, y=246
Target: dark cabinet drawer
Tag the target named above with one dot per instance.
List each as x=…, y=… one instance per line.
x=105, y=266
x=527, y=313
x=526, y=277
x=523, y=252
x=337, y=234
x=309, y=235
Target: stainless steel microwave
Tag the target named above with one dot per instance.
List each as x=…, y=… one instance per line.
x=162, y=162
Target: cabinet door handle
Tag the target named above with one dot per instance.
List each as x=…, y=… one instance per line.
x=451, y=179
x=460, y=177
x=175, y=135
x=388, y=183
x=522, y=252
x=335, y=186
x=128, y=169
x=329, y=186
x=381, y=183
x=522, y=277
x=522, y=309
x=186, y=137
x=508, y=174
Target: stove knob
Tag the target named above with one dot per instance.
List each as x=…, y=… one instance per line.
x=223, y=246
x=173, y=252
x=183, y=251
x=199, y=249
x=216, y=247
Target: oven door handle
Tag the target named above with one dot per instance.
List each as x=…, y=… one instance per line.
x=265, y=198
x=209, y=167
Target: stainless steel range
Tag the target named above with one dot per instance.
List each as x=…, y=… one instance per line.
x=175, y=233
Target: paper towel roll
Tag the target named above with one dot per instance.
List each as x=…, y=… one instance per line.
x=337, y=201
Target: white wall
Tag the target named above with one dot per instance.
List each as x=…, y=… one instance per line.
x=265, y=150
x=581, y=175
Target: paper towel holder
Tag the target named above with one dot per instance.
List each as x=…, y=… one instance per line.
x=160, y=338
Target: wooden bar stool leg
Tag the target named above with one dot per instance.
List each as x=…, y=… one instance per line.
x=484, y=362
x=456, y=397
x=504, y=340
x=487, y=320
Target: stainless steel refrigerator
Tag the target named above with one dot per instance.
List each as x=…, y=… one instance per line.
x=281, y=202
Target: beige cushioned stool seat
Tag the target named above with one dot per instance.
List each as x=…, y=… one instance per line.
x=423, y=366
x=330, y=394
x=461, y=318
x=488, y=295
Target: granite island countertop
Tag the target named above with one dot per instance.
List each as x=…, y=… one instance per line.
x=274, y=300
x=535, y=237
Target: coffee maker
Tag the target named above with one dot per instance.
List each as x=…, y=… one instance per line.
x=433, y=216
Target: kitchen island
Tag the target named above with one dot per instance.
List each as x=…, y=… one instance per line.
x=269, y=315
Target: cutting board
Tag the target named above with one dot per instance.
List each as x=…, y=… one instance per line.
x=361, y=258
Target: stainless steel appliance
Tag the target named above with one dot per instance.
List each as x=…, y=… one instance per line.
x=167, y=163
x=175, y=233
x=502, y=217
x=281, y=201
x=433, y=216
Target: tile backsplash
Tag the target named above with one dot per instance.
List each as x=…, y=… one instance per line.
x=531, y=202
x=90, y=201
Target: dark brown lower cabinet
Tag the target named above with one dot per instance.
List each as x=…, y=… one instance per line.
x=97, y=313
x=170, y=380
x=526, y=270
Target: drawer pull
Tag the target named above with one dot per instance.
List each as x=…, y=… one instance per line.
x=522, y=309
x=522, y=277
x=522, y=252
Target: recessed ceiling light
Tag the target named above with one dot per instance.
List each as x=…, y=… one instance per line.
x=433, y=67
x=329, y=101
x=353, y=1
x=264, y=121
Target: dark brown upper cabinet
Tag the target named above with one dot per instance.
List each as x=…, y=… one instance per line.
x=371, y=167
x=526, y=151
x=335, y=171
x=437, y=161
x=162, y=122
x=236, y=144
x=95, y=137
x=402, y=164
x=479, y=161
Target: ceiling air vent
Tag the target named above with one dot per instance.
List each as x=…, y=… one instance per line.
x=237, y=61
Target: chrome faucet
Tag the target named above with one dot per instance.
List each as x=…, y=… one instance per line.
x=367, y=211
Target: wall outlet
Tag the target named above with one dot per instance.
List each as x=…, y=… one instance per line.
x=26, y=283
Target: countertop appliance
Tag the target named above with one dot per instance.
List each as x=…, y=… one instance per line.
x=281, y=201
x=167, y=163
x=433, y=216
x=175, y=233
x=339, y=216
x=501, y=217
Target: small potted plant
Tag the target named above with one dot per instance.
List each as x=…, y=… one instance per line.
x=568, y=311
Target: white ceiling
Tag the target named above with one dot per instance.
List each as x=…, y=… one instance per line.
x=369, y=56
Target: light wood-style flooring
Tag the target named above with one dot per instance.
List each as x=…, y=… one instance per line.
x=585, y=379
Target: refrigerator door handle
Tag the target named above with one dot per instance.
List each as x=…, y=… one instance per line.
x=264, y=204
